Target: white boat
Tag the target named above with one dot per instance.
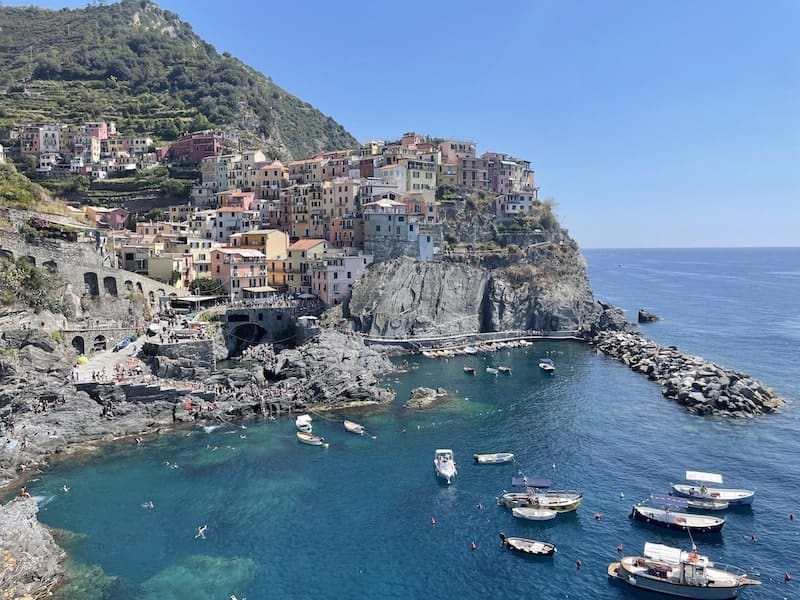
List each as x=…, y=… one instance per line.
x=527, y=546
x=664, y=517
x=559, y=501
x=303, y=423
x=506, y=370
x=445, y=464
x=533, y=514
x=309, y=438
x=354, y=427
x=537, y=495
x=546, y=365
x=699, y=490
x=491, y=370
x=707, y=504
x=470, y=350
x=675, y=572
x=469, y=370
x=493, y=459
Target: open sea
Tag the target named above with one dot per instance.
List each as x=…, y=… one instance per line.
x=285, y=520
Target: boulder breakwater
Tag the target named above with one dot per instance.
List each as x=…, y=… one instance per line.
x=700, y=386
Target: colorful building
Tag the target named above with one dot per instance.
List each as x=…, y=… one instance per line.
x=238, y=269
x=333, y=275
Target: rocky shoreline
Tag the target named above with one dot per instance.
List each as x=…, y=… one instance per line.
x=700, y=386
x=43, y=416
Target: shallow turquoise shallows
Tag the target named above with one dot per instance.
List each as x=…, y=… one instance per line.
x=355, y=520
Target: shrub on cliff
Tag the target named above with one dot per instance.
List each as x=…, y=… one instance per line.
x=21, y=283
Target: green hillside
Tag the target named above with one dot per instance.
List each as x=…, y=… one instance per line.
x=133, y=63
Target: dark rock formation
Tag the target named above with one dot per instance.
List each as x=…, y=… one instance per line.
x=425, y=397
x=542, y=287
x=646, y=316
x=30, y=560
x=702, y=387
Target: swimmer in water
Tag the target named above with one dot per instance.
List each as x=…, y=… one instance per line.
x=65, y=488
x=201, y=532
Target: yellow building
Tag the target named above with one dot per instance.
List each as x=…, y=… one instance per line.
x=298, y=259
x=276, y=271
x=339, y=197
x=270, y=242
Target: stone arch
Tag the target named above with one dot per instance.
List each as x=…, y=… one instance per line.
x=79, y=344
x=110, y=285
x=151, y=295
x=129, y=285
x=92, y=287
x=139, y=288
x=6, y=254
x=50, y=265
x=100, y=343
x=248, y=334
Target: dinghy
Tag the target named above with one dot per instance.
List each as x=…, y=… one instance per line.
x=354, y=427
x=493, y=459
x=699, y=490
x=526, y=546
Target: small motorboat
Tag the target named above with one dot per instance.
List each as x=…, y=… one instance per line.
x=470, y=350
x=675, y=572
x=533, y=514
x=707, y=504
x=664, y=517
x=526, y=546
x=469, y=370
x=303, y=423
x=506, y=370
x=491, y=370
x=558, y=501
x=354, y=427
x=546, y=365
x=311, y=439
x=445, y=464
x=699, y=490
x=493, y=459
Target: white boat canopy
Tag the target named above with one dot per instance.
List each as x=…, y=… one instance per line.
x=701, y=476
x=662, y=553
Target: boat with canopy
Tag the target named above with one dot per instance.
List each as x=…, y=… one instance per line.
x=700, y=491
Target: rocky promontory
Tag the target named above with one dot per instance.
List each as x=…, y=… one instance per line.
x=701, y=386
x=425, y=397
x=31, y=559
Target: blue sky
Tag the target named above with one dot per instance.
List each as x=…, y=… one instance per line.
x=651, y=124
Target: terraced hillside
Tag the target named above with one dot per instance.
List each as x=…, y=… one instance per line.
x=145, y=69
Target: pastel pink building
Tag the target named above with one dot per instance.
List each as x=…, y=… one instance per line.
x=97, y=129
x=238, y=199
x=238, y=270
x=333, y=275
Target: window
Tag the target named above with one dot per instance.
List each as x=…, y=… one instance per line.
x=377, y=227
x=336, y=275
x=349, y=275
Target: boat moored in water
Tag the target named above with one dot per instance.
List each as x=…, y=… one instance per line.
x=547, y=365
x=699, y=490
x=526, y=546
x=491, y=370
x=666, y=517
x=445, y=464
x=493, y=459
x=675, y=572
x=469, y=370
x=311, y=439
x=533, y=514
x=354, y=427
x=506, y=370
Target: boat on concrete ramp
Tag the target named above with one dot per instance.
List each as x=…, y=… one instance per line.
x=700, y=491
x=526, y=546
x=675, y=572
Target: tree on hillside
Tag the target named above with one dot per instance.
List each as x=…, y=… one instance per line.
x=205, y=286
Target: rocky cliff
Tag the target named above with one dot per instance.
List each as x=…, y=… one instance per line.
x=542, y=286
x=31, y=560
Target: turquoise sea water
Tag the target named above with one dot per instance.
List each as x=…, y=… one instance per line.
x=354, y=520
